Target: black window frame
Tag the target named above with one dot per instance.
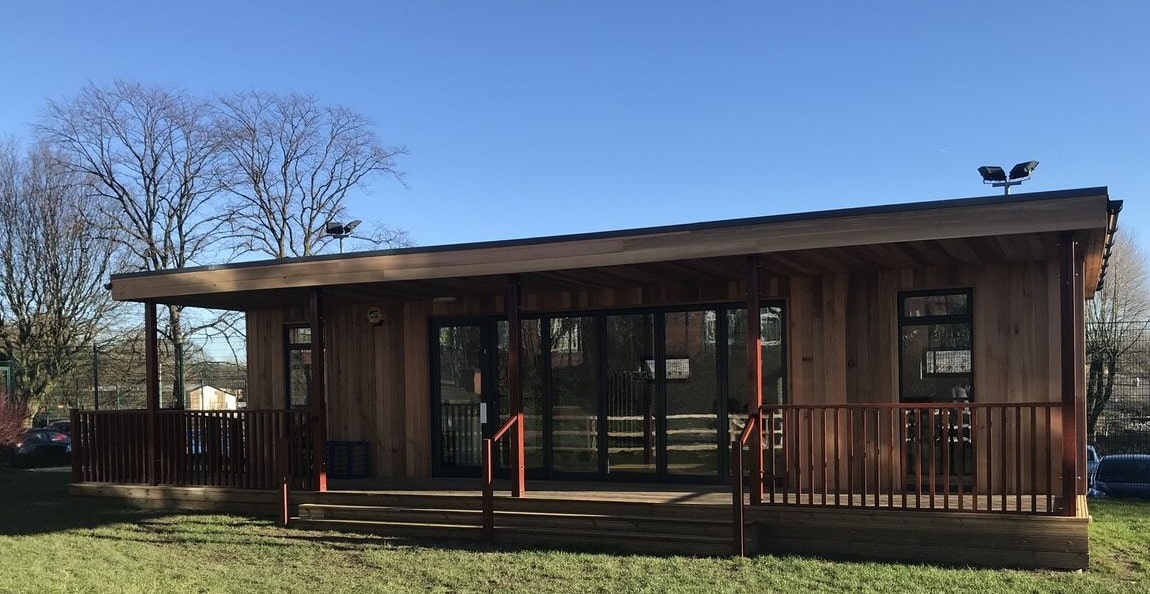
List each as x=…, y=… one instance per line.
x=290, y=347
x=905, y=320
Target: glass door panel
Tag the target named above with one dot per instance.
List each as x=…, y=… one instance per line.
x=692, y=391
x=532, y=387
x=771, y=324
x=574, y=356
x=631, y=430
x=460, y=396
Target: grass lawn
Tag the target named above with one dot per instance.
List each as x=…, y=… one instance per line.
x=52, y=543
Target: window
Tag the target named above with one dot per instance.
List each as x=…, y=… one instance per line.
x=297, y=351
x=935, y=342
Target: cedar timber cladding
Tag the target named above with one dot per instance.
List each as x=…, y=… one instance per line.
x=839, y=274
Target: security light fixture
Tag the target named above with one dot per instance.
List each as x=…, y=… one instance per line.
x=1022, y=170
x=990, y=173
x=339, y=230
x=996, y=176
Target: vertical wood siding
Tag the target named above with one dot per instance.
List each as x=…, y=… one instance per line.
x=842, y=338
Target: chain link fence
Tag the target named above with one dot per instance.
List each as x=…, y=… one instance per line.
x=1118, y=387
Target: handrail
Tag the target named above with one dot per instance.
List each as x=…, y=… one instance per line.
x=489, y=476
x=738, y=523
x=504, y=428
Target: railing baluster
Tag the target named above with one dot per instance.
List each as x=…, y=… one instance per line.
x=1005, y=455
x=892, y=469
x=1018, y=459
x=837, y=453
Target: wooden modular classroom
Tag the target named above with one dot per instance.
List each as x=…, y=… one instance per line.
x=923, y=357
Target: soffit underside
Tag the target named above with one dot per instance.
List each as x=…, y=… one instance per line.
x=946, y=253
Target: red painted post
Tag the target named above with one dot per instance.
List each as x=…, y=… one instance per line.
x=755, y=377
x=317, y=395
x=488, y=493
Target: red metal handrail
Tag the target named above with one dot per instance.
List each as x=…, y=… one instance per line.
x=739, y=523
x=489, y=475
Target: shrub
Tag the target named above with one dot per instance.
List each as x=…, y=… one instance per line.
x=12, y=415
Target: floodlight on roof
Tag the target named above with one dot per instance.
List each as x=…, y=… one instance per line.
x=991, y=173
x=1022, y=170
x=339, y=230
x=996, y=176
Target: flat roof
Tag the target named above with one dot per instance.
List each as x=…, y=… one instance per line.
x=1085, y=209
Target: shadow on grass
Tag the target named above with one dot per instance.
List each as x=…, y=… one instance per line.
x=37, y=501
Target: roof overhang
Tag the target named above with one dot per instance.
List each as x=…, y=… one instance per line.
x=1024, y=219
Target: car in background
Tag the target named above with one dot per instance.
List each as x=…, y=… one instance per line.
x=1092, y=459
x=41, y=447
x=1122, y=475
x=64, y=425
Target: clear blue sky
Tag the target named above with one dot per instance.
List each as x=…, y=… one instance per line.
x=540, y=118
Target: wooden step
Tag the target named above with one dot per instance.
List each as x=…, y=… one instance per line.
x=516, y=504
x=631, y=542
x=413, y=530
x=556, y=523
x=312, y=511
x=518, y=536
x=559, y=521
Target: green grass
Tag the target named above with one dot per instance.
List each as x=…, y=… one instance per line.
x=52, y=543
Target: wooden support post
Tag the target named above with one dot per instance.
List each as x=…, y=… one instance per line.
x=283, y=474
x=1069, y=328
x=488, y=497
x=755, y=378
x=151, y=388
x=515, y=384
x=738, y=522
x=317, y=395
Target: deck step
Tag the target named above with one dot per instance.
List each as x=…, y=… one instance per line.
x=683, y=534
x=415, y=530
x=593, y=540
x=631, y=542
x=600, y=522
x=516, y=504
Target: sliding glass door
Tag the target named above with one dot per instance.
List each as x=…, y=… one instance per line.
x=635, y=395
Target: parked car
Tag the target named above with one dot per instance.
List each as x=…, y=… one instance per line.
x=41, y=447
x=1092, y=459
x=64, y=425
x=1122, y=475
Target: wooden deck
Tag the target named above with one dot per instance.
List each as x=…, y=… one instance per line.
x=661, y=519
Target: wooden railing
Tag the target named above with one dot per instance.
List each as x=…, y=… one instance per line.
x=982, y=457
x=240, y=449
x=489, y=475
x=737, y=492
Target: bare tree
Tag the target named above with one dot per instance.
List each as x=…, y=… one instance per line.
x=293, y=163
x=1115, y=326
x=53, y=265
x=150, y=158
